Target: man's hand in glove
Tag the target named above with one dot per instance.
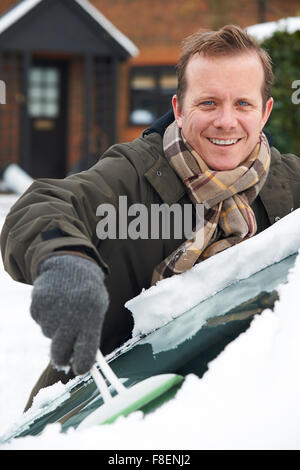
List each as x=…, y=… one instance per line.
x=69, y=302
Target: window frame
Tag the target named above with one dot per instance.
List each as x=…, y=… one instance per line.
x=157, y=72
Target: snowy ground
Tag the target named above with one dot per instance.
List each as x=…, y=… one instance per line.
x=249, y=398
x=23, y=350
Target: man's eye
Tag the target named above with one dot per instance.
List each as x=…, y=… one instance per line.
x=207, y=103
x=243, y=103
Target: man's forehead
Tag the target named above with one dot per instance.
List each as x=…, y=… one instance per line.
x=236, y=62
x=242, y=74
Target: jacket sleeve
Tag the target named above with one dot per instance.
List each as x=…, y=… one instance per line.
x=60, y=214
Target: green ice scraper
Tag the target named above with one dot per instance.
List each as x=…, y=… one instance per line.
x=127, y=400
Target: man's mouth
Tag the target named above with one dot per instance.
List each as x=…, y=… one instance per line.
x=223, y=141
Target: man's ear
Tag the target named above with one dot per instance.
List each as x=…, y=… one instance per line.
x=176, y=110
x=267, y=112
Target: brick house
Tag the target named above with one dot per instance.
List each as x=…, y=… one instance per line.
x=59, y=61
x=157, y=28
x=142, y=83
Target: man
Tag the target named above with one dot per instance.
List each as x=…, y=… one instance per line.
x=214, y=153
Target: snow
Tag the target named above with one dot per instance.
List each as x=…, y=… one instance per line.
x=24, y=350
x=24, y=7
x=16, y=13
x=248, y=399
x=109, y=27
x=155, y=307
x=16, y=179
x=264, y=31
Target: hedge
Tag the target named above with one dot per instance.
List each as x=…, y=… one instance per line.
x=284, y=122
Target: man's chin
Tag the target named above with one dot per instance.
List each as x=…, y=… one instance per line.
x=223, y=163
x=224, y=159
x=223, y=167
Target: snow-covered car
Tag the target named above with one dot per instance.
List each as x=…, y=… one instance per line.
x=187, y=342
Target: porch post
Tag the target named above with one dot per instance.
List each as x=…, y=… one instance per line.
x=2, y=96
x=88, y=71
x=115, y=91
x=25, y=149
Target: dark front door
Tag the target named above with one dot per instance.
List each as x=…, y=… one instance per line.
x=47, y=107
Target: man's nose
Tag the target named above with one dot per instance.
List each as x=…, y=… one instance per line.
x=226, y=118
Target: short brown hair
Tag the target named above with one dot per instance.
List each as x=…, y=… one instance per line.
x=229, y=40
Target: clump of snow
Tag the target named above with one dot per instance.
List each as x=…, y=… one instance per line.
x=173, y=296
x=15, y=178
x=47, y=395
x=263, y=31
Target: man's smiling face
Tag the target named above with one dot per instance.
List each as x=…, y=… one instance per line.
x=222, y=113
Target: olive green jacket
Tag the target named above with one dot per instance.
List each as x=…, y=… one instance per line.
x=60, y=215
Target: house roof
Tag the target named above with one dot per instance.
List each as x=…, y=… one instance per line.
x=263, y=31
x=9, y=18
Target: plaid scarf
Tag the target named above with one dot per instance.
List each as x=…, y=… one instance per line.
x=226, y=195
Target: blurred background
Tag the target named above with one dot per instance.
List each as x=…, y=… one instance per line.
x=82, y=75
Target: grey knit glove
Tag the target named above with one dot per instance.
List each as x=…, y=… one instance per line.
x=69, y=302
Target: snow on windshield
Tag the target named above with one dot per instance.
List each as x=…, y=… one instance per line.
x=161, y=303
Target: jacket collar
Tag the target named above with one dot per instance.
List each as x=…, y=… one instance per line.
x=161, y=175
x=276, y=194
x=165, y=181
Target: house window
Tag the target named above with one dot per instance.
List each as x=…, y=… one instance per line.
x=43, y=95
x=151, y=89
